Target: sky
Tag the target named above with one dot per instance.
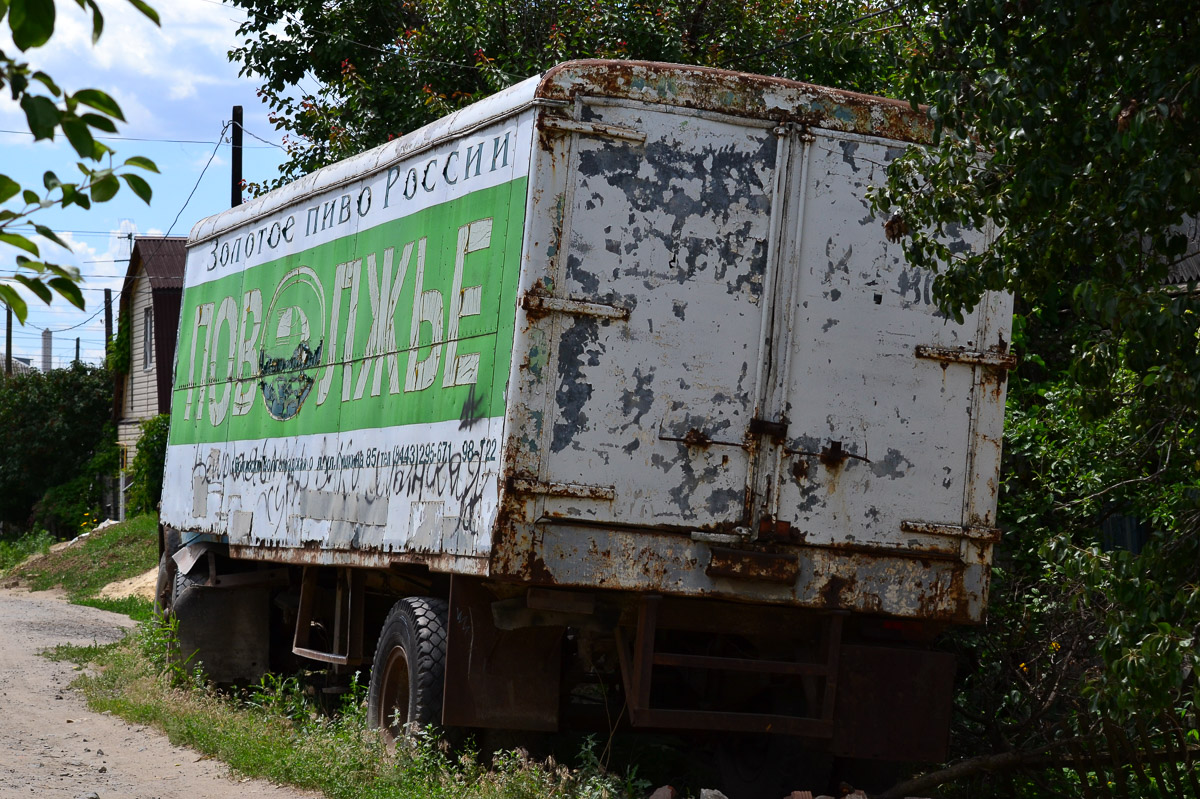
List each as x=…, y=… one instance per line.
x=177, y=88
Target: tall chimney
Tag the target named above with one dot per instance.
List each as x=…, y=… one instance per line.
x=47, y=349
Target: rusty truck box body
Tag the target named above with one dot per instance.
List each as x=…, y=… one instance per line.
x=623, y=326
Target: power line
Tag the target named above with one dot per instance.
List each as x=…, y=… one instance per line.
x=261, y=139
x=160, y=141
x=161, y=240
x=122, y=234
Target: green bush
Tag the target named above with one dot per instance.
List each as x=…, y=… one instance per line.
x=14, y=551
x=74, y=507
x=120, y=348
x=53, y=428
x=146, y=471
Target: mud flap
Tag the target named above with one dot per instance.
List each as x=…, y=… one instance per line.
x=893, y=704
x=225, y=630
x=507, y=679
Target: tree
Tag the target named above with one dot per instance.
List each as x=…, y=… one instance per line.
x=1070, y=127
x=384, y=70
x=51, y=426
x=50, y=110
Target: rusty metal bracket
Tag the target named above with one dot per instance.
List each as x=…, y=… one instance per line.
x=988, y=535
x=993, y=358
x=347, y=619
x=832, y=455
x=521, y=485
x=741, y=564
x=740, y=535
x=761, y=427
x=541, y=304
x=568, y=126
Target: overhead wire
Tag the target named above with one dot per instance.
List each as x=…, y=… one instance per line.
x=165, y=141
x=161, y=240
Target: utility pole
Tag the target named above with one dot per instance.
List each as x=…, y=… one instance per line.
x=8, y=342
x=77, y=349
x=235, y=190
x=107, y=319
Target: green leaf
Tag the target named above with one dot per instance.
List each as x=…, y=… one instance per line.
x=48, y=82
x=99, y=122
x=19, y=241
x=50, y=181
x=8, y=188
x=106, y=188
x=139, y=185
x=69, y=290
x=46, y=232
x=97, y=21
x=13, y=300
x=79, y=136
x=68, y=272
x=143, y=163
x=31, y=197
x=36, y=286
x=99, y=101
x=32, y=22
x=147, y=10
x=42, y=114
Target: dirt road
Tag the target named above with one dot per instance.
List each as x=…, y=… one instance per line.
x=52, y=746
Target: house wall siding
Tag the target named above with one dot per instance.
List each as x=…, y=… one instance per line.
x=141, y=394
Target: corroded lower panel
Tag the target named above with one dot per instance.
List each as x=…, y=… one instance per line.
x=938, y=579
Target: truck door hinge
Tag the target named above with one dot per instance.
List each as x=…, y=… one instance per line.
x=521, y=485
x=995, y=358
x=535, y=304
x=975, y=532
x=566, y=126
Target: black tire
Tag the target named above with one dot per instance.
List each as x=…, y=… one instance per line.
x=409, y=667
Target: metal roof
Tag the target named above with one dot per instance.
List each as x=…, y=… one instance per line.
x=161, y=258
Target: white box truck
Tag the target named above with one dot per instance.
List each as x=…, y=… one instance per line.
x=608, y=392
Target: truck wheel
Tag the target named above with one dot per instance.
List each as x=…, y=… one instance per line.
x=407, y=673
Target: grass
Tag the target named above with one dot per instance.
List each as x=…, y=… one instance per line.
x=16, y=551
x=273, y=731
x=114, y=553
x=135, y=607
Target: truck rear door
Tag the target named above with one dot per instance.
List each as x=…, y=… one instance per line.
x=668, y=222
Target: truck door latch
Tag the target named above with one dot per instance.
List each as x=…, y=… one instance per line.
x=776, y=430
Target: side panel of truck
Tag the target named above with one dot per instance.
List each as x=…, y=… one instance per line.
x=342, y=366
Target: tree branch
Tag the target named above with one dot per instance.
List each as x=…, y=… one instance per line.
x=1035, y=758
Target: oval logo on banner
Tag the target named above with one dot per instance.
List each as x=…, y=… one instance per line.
x=287, y=358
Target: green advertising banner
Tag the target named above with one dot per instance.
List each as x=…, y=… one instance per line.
x=407, y=322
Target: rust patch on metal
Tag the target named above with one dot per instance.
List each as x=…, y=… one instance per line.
x=696, y=438
x=835, y=587
x=723, y=91
x=774, y=531
x=976, y=532
x=995, y=358
x=738, y=564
